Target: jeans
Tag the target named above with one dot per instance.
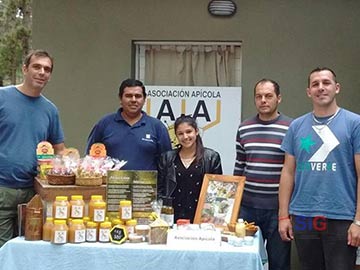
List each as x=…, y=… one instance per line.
x=9, y=199
x=322, y=243
x=267, y=219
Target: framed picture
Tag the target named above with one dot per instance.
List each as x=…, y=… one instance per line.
x=219, y=200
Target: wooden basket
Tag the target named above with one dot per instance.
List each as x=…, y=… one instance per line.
x=88, y=181
x=250, y=232
x=56, y=179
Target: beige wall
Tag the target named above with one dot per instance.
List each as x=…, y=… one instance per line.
x=283, y=40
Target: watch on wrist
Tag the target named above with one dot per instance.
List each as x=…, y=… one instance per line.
x=356, y=222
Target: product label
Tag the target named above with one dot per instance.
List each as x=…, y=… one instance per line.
x=126, y=212
x=79, y=236
x=91, y=235
x=77, y=211
x=60, y=237
x=99, y=215
x=104, y=235
x=61, y=212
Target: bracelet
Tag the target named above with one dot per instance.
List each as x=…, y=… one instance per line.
x=356, y=222
x=283, y=218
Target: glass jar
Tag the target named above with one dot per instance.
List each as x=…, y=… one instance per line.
x=48, y=225
x=99, y=212
x=59, y=233
x=104, y=231
x=91, y=231
x=93, y=199
x=167, y=212
x=125, y=210
x=77, y=206
x=61, y=208
x=77, y=231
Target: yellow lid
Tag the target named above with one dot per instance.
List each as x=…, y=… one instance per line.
x=61, y=198
x=86, y=219
x=105, y=224
x=96, y=197
x=125, y=203
x=117, y=221
x=99, y=204
x=49, y=219
x=77, y=221
x=91, y=224
x=59, y=221
x=77, y=197
x=131, y=222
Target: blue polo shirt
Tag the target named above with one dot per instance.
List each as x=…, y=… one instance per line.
x=140, y=145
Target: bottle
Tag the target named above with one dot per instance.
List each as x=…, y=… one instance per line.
x=48, y=225
x=240, y=228
x=77, y=206
x=93, y=199
x=99, y=212
x=104, y=231
x=130, y=226
x=91, y=231
x=77, y=231
x=59, y=233
x=167, y=211
x=125, y=210
x=61, y=207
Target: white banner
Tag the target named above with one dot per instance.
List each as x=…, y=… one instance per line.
x=217, y=111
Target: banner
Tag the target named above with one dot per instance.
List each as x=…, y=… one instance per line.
x=217, y=111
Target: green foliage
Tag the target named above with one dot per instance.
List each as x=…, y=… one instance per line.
x=15, y=37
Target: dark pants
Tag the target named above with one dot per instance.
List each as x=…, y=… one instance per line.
x=322, y=243
x=278, y=250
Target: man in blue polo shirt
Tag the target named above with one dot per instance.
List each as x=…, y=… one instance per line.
x=130, y=134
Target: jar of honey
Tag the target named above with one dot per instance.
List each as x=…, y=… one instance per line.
x=77, y=206
x=117, y=221
x=59, y=233
x=47, y=227
x=77, y=231
x=93, y=199
x=99, y=212
x=130, y=226
x=91, y=231
x=125, y=210
x=61, y=208
x=104, y=231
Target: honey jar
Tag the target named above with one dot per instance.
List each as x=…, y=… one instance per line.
x=77, y=231
x=91, y=231
x=104, y=231
x=61, y=208
x=99, y=212
x=59, y=233
x=48, y=225
x=77, y=206
x=93, y=199
x=125, y=210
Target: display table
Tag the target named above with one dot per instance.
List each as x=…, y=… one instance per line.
x=18, y=254
x=49, y=192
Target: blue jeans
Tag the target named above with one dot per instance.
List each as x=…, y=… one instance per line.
x=322, y=243
x=278, y=250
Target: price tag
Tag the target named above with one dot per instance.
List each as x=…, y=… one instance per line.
x=118, y=234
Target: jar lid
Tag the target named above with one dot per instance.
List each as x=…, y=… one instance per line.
x=100, y=204
x=125, y=203
x=96, y=197
x=77, y=197
x=77, y=221
x=61, y=198
x=131, y=222
x=59, y=222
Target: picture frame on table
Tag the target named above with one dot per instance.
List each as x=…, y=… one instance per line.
x=219, y=200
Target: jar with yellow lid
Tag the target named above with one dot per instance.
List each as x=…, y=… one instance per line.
x=77, y=231
x=125, y=210
x=130, y=226
x=117, y=221
x=91, y=231
x=59, y=233
x=77, y=206
x=104, y=231
x=47, y=227
x=61, y=207
x=86, y=220
x=93, y=199
x=99, y=212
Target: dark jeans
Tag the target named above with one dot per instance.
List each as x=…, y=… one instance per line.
x=278, y=250
x=322, y=243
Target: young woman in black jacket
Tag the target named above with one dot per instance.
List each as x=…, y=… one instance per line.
x=181, y=171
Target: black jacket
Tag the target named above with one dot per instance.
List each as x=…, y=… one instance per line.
x=211, y=163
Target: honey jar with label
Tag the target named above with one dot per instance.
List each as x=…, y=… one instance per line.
x=61, y=208
x=59, y=233
x=77, y=231
x=48, y=225
x=77, y=206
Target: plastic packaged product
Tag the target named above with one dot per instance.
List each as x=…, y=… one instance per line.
x=93, y=199
x=59, y=233
x=61, y=207
x=77, y=206
x=130, y=226
x=125, y=210
x=91, y=231
x=99, y=212
x=240, y=228
x=104, y=231
x=48, y=225
x=77, y=231
x=167, y=211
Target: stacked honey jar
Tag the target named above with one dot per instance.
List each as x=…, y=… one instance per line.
x=69, y=224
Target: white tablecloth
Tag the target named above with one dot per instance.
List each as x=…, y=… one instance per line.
x=41, y=255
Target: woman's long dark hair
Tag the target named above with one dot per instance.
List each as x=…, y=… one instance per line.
x=191, y=122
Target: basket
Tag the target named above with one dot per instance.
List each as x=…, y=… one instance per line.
x=250, y=232
x=104, y=179
x=57, y=179
x=88, y=181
